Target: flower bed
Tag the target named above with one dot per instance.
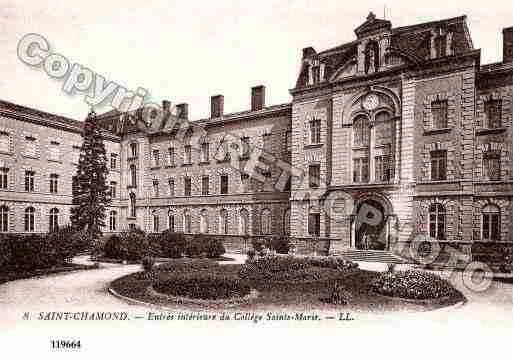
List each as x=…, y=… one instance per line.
x=186, y=265
x=295, y=269
x=413, y=285
x=202, y=285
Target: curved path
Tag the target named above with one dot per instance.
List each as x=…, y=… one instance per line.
x=87, y=291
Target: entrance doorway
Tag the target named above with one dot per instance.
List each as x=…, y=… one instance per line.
x=370, y=226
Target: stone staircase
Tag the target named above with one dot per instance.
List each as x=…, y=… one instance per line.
x=372, y=256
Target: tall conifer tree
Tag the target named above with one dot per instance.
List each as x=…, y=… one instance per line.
x=89, y=188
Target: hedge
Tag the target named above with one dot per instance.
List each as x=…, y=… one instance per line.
x=28, y=252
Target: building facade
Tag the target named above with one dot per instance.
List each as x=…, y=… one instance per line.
x=401, y=132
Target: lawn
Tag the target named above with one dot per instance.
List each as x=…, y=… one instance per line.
x=301, y=293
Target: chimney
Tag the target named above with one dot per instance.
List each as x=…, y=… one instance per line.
x=166, y=105
x=507, y=44
x=182, y=111
x=257, y=98
x=308, y=51
x=216, y=106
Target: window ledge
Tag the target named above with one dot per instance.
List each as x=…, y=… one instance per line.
x=435, y=131
x=359, y=148
x=314, y=145
x=170, y=166
x=244, y=158
x=55, y=161
x=9, y=153
x=487, y=131
x=440, y=181
x=131, y=186
x=485, y=181
x=186, y=164
x=204, y=163
x=30, y=156
x=223, y=160
x=154, y=167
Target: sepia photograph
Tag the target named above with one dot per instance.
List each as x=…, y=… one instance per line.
x=236, y=179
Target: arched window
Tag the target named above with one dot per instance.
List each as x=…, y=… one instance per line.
x=204, y=221
x=244, y=222
x=437, y=221
x=187, y=222
x=133, y=175
x=223, y=221
x=491, y=223
x=171, y=220
x=361, y=128
x=155, y=220
x=132, y=205
x=29, y=219
x=371, y=57
x=286, y=222
x=4, y=219
x=265, y=221
x=53, y=220
x=112, y=220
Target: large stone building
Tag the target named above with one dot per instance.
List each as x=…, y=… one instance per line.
x=404, y=125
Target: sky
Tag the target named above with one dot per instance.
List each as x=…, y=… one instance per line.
x=187, y=51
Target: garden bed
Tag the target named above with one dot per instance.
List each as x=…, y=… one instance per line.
x=273, y=295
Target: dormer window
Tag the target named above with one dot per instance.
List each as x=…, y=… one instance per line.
x=493, y=111
x=441, y=45
x=316, y=74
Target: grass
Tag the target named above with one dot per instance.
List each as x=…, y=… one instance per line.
x=66, y=267
x=282, y=295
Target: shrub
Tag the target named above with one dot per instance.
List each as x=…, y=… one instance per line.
x=113, y=247
x=203, y=285
x=412, y=285
x=172, y=244
x=187, y=265
x=281, y=245
x=258, y=245
x=148, y=263
x=214, y=248
x=195, y=246
x=136, y=244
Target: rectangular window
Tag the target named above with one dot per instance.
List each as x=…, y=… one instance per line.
x=5, y=142
x=316, y=74
x=441, y=45
x=133, y=149
x=288, y=141
x=75, y=154
x=30, y=146
x=187, y=186
x=205, y=152
x=113, y=161
x=29, y=181
x=171, y=156
x=113, y=186
x=171, y=183
x=54, y=179
x=155, y=188
x=223, y=151
x=315, y=131
x=224, y=184
x=314, y=224
x=439, y=112
x=438, y=165
x=492, y=165
x=314, y=173
x=54, y=151
x=205, y=185
x=187, y=157
x=493, y=110
x=156, y=158
x=4, y=178
x=246, y=149
x=361, y=169
x=382, y=168
x=245, y=181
